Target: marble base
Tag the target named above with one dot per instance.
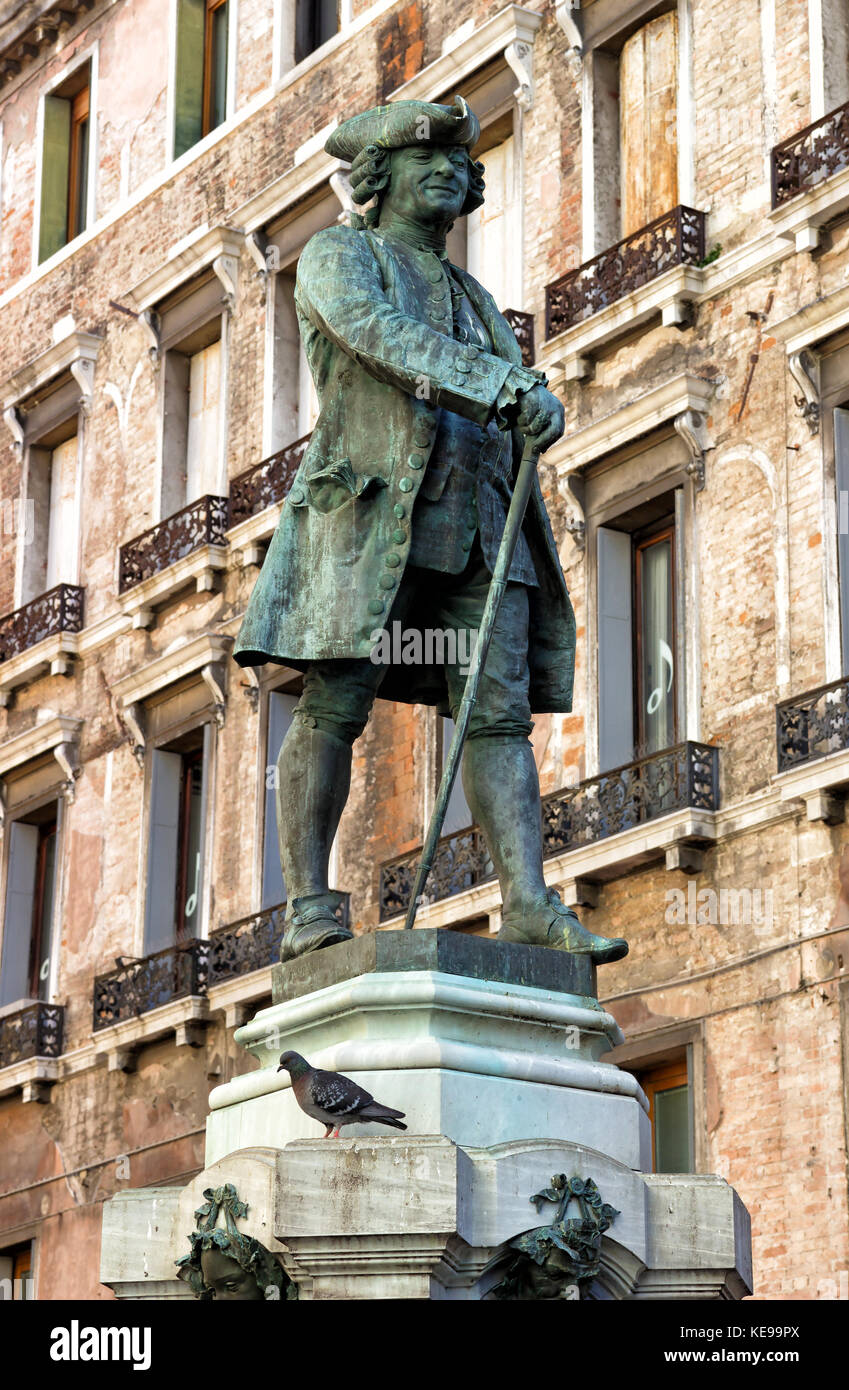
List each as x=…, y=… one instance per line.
x=425, y=1218
x=481, y=1061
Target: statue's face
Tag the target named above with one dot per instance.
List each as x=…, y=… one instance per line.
x=227, y=1279
x=427, y=183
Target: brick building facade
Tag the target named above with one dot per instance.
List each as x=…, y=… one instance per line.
x=161, y=167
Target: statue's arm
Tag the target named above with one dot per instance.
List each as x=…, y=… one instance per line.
x=340, y=290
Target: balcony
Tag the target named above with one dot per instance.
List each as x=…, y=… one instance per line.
x=33, y=1031
x=801, y=162
x=681, y=779
x=676, y=239
x=812, y=739
x=188, y=547
x=41, y=636
x=253, y=943
x=522, y=325
x=266, y=483
x=138, y=986
x=30, y=1043
x=810, y=179
x=256, y=500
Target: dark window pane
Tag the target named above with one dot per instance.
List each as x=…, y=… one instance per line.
x=188, y=118
x=56, y=152
x=218, y=67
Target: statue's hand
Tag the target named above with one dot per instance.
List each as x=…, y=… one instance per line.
x=541, y=417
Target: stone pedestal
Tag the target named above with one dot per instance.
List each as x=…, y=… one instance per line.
x=495, y=1054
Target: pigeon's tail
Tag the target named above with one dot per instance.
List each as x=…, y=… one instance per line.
x=382, y=1115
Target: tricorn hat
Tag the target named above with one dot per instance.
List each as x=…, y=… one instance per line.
x=403, y=123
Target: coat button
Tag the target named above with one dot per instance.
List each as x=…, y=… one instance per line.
x=296, y=496
x=399, y=537
x=467, y=545
x=435, y=276
x=406, y=485
x=376, y=605
x=416, y=461
x=387, y=581
x=393, y=560
x=399, y=510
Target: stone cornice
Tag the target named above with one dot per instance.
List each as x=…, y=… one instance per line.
x=628, y=422
x=814, y=321
x=76, y=353
x=185, y=660
x=62, y=732
x=217, y=248
x=468, y=48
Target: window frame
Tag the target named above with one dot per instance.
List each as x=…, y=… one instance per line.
x=640, y=541
x=90, y=57
x=230, y=102
x=27, y=807
x=642, y=1054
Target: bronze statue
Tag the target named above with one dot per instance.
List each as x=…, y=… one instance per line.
x=224, y=1263
x=397, y=512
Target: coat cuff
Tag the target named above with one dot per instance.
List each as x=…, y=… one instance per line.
x=518, y=381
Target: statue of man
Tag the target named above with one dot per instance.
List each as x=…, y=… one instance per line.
x=396, y=514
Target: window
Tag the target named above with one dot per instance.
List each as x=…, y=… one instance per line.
x=841, y=469
x=668, y=1090
x=281, y=704
x=65, y=163
x=16, y=1282
x=637, y=637
x=630, y=139
x=176, y=841
x=494, y=231
x=202, y=70
x=457, y=816
x=52, y=480
x=30, y=906
x=316, y=21
x=193, y=419
x=648, y=138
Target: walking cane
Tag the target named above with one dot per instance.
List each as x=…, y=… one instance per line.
x=509, y=541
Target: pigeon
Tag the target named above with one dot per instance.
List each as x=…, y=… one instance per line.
x=334, y=1099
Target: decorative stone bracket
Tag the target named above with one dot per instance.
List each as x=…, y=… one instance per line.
x=149, y=320
x=805, y=370
x=12, y=421
x=214, y=677
x=59, y=736
x=692, y=427
x=565, y=11
x=226, y=268
x=520, y=57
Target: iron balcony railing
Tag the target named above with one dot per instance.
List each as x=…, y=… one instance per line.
x=33, y=1031
x=677, y=238
x=137, y=986
x=59, y=610
x=522, y=325
x=253, y=943
x=266, y=483
x=812, y=725
x=686, y=775
x=203, y=522
x=811, y=155
x=193, y=967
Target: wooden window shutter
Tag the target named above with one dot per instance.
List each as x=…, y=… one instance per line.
x=615, y=646
x=53, y=226
x=188, y=118
x=159, y=922
x=17, y=925
x=841, y=468
x=648, y=81
x=280, y=708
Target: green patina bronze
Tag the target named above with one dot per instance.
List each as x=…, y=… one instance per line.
x=224, y=1263
x=560, y=1260
x=397, y=513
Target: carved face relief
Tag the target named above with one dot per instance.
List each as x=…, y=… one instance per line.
x=228, y=1281
x=428, y=183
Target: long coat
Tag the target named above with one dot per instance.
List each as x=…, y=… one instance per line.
x=372, y=313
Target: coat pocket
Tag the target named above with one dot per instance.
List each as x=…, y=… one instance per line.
x=333, y=486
